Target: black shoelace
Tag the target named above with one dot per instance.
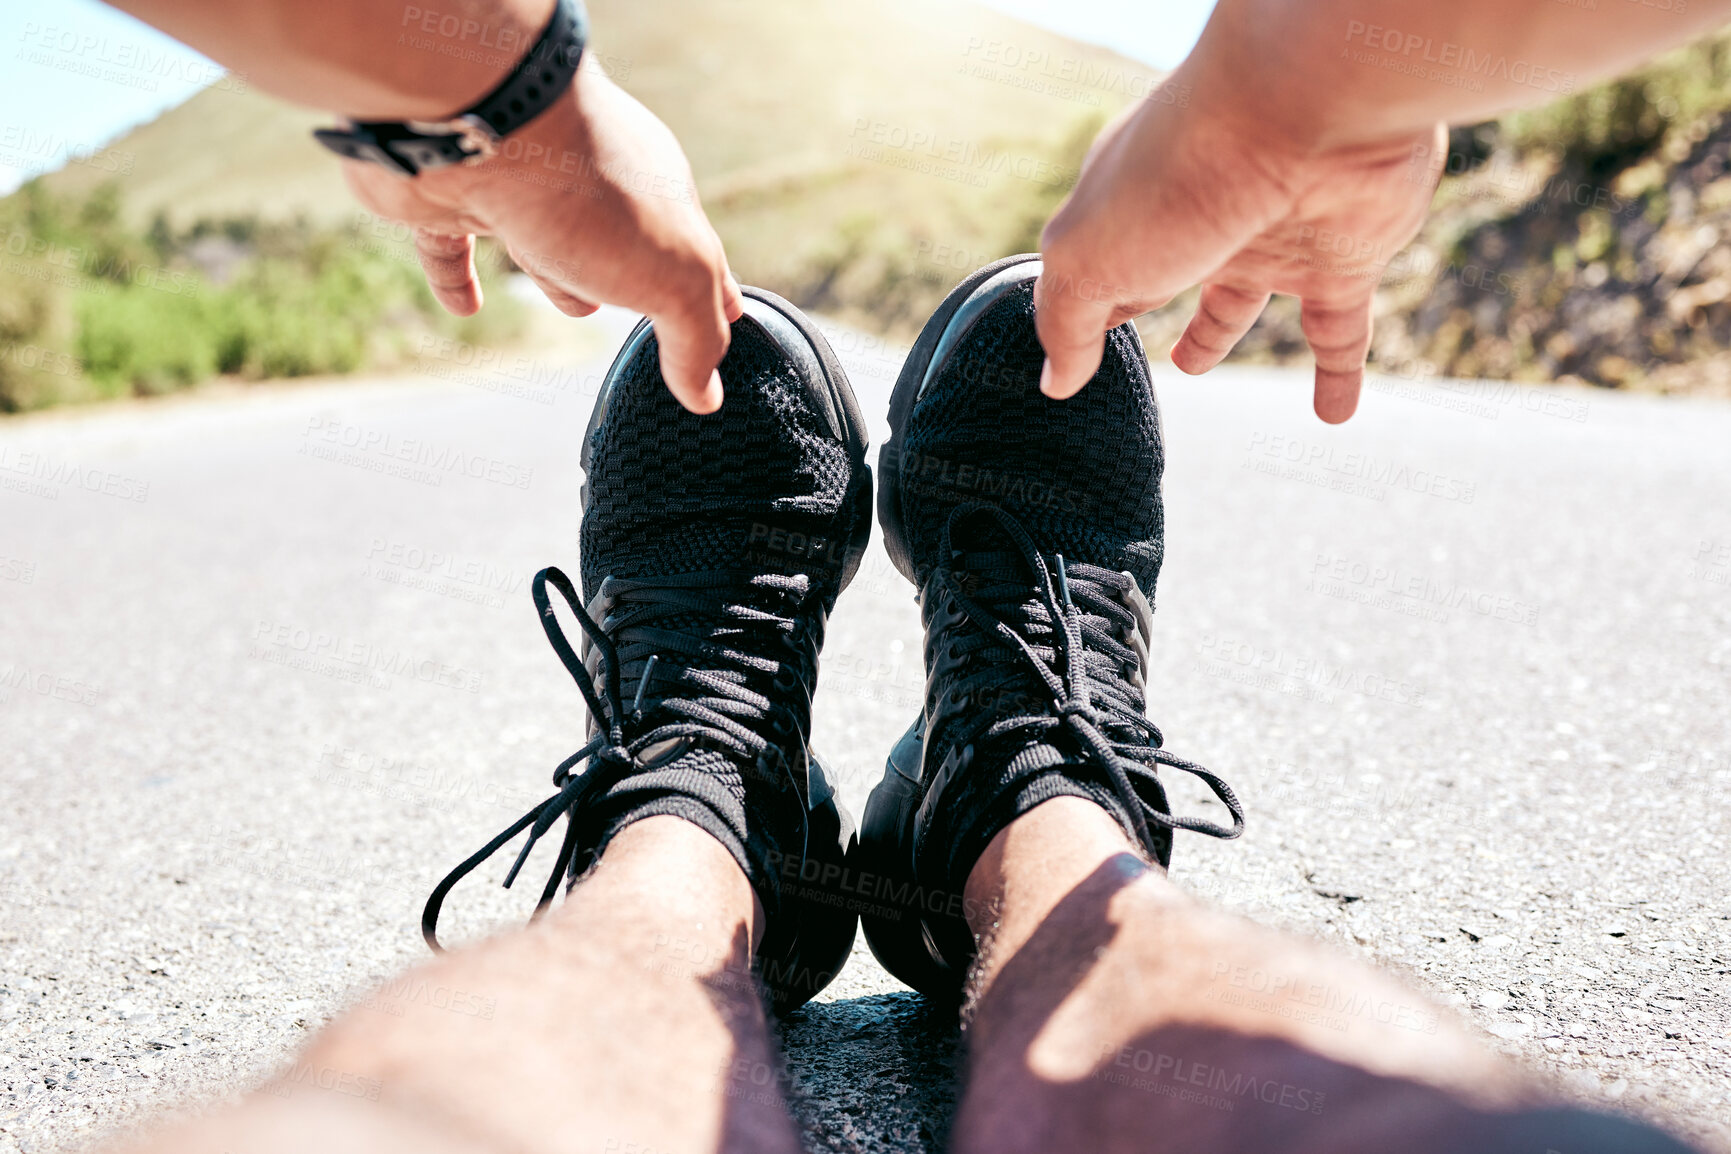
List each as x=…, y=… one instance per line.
x=1072, y=638
x=695, y=646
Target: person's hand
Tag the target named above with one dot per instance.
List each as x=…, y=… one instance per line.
x=1173, y=196
x=595, y=202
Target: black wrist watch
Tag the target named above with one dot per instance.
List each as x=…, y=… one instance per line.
x=414, y=146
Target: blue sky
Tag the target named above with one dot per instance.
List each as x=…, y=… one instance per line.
x=50, y=108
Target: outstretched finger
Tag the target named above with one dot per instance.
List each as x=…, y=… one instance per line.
x=1072, y=328
x=563, y=299
x=449, y=262
x=1223, y=316
x=1339, y=336
x=693, y=335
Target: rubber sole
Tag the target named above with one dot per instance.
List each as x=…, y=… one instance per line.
x=810, y=940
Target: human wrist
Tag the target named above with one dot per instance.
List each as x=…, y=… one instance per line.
x=1262, y=72
x=425, y=64
x=537, y=81
x=552, y=156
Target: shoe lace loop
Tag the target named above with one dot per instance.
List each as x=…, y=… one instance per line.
x=695, y=644
x=1076, y=614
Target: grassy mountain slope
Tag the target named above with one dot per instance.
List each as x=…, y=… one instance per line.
x=858, y=157
x=224, y=153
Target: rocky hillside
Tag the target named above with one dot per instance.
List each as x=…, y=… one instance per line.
x=1583, y=242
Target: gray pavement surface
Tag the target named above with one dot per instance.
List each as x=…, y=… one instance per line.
x=268, y=667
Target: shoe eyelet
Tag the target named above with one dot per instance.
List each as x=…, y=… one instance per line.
x=786, y=679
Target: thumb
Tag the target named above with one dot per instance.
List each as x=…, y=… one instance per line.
x=693, y=339
x=1072, y=328
x=732, y=300
x=449, y=262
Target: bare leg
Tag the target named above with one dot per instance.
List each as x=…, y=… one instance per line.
x=625, y=1023
x=1110, y=1013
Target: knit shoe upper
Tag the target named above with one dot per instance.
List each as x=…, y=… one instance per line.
x=1082, y=475
x=1033, y=531
x=712, y=550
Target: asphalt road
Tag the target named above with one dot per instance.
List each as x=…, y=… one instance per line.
x=262, y=680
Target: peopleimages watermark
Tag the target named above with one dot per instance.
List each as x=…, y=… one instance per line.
x=425, y=462
x=1446, y=62
x=48, y=260
x=1688, y=762
x=873, y=894
x=827, y=552
x=1485, y=399
x=395, y=995
x=886, y=680
x=460, y=578
x=1413, y=594
x=926, y=473
x=750, y=1080
x=865, y=354
x=1262, y=667
x=1064, y=77
x=304, y=1075
x=1200, y=1083
x=461, y=37
x=17, y=569
x=1302, y=999
x=621, y=1146
x=1501, y=175
x=403, y=781
x=1339, y=253
x=503, y=373
x=45, y=683
x=1353, y=473
x=38, y=475
x=42, y=359
x=350, y=659
x=26, y=146
x=130, y=63
x=1712, y=562
x=948, y=157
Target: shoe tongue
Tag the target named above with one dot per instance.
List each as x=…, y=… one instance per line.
x=983, y=553
x=983, y=534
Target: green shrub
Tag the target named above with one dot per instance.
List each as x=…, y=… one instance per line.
x=90, y=309
x=138, y=339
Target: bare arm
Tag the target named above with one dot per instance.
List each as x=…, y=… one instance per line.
x=357, y=58
x=597, y=205
x=1347, y=71
x=1301, y=120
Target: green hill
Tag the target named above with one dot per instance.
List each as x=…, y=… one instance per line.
x=854, y=156
x=860, y=158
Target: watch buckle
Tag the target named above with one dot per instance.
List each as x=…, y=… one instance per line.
x=475, y=136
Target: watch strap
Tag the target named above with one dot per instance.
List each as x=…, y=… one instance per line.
x=531, y=87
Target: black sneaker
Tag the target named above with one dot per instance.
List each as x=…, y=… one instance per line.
x=1032, y=530
x=713, y=549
